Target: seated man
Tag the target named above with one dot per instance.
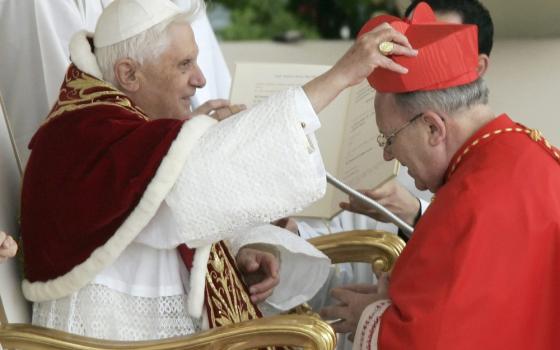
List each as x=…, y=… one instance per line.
x=482, y=269
x=128, y=196
x=8, y=247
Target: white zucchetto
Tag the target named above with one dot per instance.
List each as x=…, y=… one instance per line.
x=123, y=19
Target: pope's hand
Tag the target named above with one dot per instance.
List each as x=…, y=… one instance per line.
x=357, y=64
x=364, y=56
x=8, y=247
x=260, y=270
x=218, y=109
x=392, y=196
x=353, y=300
x=287, y=223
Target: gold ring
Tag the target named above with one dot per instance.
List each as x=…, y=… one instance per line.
x=386, y=47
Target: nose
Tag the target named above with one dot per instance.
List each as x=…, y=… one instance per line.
x=197, y=79
x=387, y=155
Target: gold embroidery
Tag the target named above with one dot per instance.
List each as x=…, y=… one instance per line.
x=228, y=299
x=534, y=134
x=81, y=91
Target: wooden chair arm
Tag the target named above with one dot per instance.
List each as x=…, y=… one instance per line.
x=380, y=249
x=303, y=331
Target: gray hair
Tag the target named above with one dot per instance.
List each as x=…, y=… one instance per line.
x=446, y=100
x=146, y=46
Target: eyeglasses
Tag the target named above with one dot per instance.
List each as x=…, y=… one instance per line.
x=386, y=141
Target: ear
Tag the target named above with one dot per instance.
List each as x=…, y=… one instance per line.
x=126, y=74
x=436, y=126
x=483, y=62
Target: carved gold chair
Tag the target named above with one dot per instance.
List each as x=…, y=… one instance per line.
x=305, y=331
x=380, y=249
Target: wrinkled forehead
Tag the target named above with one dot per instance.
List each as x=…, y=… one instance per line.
x=181, y=38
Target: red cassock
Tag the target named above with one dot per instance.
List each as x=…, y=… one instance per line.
x=482, y=270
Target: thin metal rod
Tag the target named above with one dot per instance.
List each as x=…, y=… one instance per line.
x=406, y=228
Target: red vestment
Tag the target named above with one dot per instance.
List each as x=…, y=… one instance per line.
x=482, y=270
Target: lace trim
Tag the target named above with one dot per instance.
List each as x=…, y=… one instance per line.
x=100, y=312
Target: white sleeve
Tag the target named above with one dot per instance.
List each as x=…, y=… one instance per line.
x=423, y=205
x=253, y=168
x=299, y=261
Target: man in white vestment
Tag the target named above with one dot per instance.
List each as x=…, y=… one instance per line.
x=132, y=203
x=35, y=36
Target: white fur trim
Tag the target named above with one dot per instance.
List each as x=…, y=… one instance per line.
x=164, y=179
x=195, y=298
x=82, y=56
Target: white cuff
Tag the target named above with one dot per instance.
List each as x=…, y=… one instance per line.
x=300, y=261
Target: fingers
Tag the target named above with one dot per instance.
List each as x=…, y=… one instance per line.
x=403, y=51
x=385, y=32
x=262, y=290
x=218, y=109
x=287, y=223
x=361, y=287
x=246, y=260
x=344, y=295
x=260, y=270
x=226, y=112
x=211, y=105
x=340, y=313
x=387, y=63
x=8, y=247
x=383, y=284
x=269, y=264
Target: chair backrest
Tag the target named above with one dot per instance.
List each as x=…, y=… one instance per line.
x=13, y=307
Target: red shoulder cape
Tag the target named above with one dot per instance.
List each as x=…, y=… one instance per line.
x=90, y=164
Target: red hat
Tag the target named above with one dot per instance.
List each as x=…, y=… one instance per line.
x=447, y=53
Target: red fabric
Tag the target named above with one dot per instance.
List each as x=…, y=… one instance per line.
x=482, y=270
x=447, y=53
x=187, y=255
x=88, y=169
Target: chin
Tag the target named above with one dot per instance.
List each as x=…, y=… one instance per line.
x=420, y=185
